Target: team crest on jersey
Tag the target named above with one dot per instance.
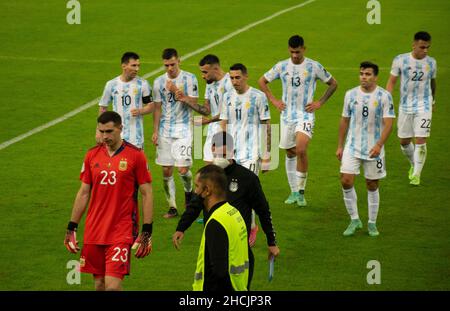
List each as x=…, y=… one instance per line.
x=375, y=103
x=233, y=185
x=247, y=105
x=135, y=91
x=222, y=89
x=109, y=165
x=123, y=165
x=305, y=73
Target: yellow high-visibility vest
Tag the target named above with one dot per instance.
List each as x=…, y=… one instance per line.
x=238, y=264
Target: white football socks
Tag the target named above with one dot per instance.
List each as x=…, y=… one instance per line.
x=373, y=200
x=408, y=151
x=420, y=154
x=187, y=181
x=169, y=190
x=291, y=169
x=350, y=201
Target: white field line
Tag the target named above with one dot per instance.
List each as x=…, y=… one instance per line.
x=147, y=75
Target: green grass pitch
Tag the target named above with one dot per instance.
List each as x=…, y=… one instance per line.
x=50, y=68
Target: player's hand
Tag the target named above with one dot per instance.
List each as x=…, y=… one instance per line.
x=199, y=121
x=70, y=241
x=339, y=153
x=279, y=104
x=177, y=237
x=155, y=139
x=265, y=165
x=171, y=87
x=135, y=112
x=313, y=106
x=375, y=151
x=273, y=251
x=179, y=96
x=98, y=137
x=143, y=244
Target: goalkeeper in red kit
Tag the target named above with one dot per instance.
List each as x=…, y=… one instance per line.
x=111, y=175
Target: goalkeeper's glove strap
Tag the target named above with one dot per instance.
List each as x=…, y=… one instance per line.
x=147, y=228
x=72, y=226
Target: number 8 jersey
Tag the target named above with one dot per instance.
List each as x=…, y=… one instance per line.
x=366, y=112
x=415, y=86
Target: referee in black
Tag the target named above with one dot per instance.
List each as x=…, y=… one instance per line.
x=244, y=192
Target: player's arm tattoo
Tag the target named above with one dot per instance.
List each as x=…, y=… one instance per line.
x=199, y=108
x=215, y=119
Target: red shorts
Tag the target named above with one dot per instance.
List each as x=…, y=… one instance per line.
x=101, y=260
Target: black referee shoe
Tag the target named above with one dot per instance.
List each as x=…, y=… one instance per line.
x=171, y=213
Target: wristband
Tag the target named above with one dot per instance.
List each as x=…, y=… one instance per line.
x=147, y=228
x=72, y=226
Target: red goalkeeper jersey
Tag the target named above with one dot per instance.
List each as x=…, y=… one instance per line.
x=113, y=215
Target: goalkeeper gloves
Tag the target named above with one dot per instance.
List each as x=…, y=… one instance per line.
x=143, y=243
x=70, y=240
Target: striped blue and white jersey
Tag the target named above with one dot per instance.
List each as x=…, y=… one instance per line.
x=125, y=96
x=415, y=82
x=214, y=93
x=176, y=117
x=366, y=112
x=298, y=84
x=244, y=113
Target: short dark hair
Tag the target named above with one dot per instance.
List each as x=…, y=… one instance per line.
x=216, y=175
x=240, y=67
x=127, y=56
x=367, y=64
x=110, y=116
x=222, y=139
x=209, y=59
x=422, y=35
x=296, y=41
x=169, y=53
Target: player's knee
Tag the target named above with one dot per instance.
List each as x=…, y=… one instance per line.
x=113, y=284
x=405, y=141
x=372, y=185
x=291, y=153
x=183, y=170
x=113, y=288
x=421, y=140
x=167, y=171
x=99, y=284
x=346, y=182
